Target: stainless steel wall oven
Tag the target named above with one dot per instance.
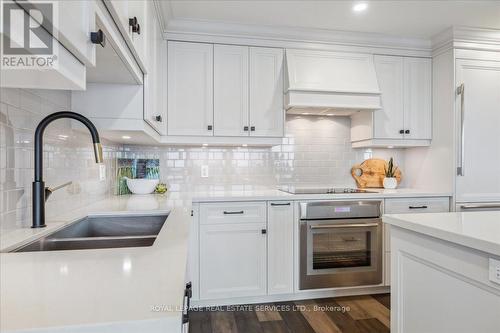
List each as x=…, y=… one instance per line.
x=340, y=244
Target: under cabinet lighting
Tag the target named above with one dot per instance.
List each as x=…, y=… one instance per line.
x=359, y=7
x=305, y=113
x=390, y=147
x=205, y=144
x=126, y=137
x=244, y=145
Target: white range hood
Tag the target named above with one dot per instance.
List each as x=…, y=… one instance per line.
x=330, y=83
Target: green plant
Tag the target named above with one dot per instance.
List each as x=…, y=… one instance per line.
x=390, y=170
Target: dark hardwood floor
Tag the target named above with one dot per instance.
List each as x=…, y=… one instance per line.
x=353, y=314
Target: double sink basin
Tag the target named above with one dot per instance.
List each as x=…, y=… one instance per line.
x=100, y=232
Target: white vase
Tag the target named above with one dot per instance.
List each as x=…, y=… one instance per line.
x=390, y=183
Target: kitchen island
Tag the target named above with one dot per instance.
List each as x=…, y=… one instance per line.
x=445, y=272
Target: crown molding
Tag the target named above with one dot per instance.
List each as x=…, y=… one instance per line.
x=467, y=38
x=287, y=37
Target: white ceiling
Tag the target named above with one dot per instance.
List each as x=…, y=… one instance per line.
x=419, y=19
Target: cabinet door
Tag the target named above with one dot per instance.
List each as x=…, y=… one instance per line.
x=72, y=22
x=280, y=248
x=231, y=90
x=145, y=13
x=266, y=92
x=119, y=11
x=389, y=121
x=418, y=98
x=154, y=110
x=232, y=260
x=481, y=80
x=190, y=88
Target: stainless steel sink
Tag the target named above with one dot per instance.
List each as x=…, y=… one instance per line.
x=99, y=232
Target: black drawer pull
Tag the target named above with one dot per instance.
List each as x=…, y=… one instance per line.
x=234, y=213
x=280, y=204
x=418, y=207
x=252, y=128
x=210, y=127
x=187, y=304
x=263, y=231
x=245, y=128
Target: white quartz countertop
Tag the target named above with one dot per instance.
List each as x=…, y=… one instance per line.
x=103, y=290
x=477, y=230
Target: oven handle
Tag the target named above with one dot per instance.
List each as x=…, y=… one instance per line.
x=334, y=226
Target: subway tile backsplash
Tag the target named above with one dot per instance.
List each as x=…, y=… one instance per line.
x=316, y=151
x=68, y=155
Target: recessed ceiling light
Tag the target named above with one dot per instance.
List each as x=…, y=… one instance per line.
x=359, y=7
x=126, y=137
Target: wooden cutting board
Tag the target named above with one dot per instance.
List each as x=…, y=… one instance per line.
x=371, y=173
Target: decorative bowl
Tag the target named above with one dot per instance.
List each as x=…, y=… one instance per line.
x=142, y=186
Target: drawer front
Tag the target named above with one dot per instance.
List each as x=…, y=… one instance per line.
x=233, y=212
x=417, y=205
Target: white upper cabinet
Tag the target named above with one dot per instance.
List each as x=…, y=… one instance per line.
x=131, y=17
x=405, y=119
x=266, y=92
x=418, y=98
x=72, y=22
x=389, y=120
x=190, y=89
x=154, y=108
x=142, y=13
x=231, y=90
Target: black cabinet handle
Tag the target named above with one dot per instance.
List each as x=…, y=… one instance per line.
x=280, y=204
x=401, y=131
x=407, y=132
x=245, y=128
x=234, y=213
x=98, y=37
x=159, y=118
x=263, y=231
x=134, y=24
x=210, y=127
x=418, y=207
x=188, y=293
x=252, y=128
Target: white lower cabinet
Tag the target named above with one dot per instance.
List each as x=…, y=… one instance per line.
x=232, y=260
x=405, y=206
x=280, y=224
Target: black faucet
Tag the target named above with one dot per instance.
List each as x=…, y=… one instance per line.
x=39, y=190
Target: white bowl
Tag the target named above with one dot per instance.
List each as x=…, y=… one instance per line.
x=142, y=186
